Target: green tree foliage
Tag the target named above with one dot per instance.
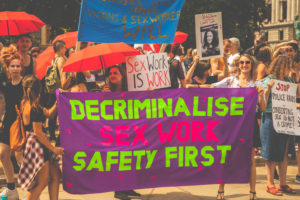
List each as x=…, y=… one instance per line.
x=241, y=18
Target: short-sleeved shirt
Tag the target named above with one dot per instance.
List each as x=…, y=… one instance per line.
x=36, y=115
x=265, y=84
x=233, y=82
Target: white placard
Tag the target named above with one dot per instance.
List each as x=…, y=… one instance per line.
x=209, y=35
x=145, y=71
x=284, y=110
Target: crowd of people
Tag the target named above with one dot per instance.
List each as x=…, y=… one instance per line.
x=257, y=67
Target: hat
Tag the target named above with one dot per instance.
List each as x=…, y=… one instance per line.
x=235, y=41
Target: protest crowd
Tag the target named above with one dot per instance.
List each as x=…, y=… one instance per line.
x=37, y=162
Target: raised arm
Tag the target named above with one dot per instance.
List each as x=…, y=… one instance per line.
x=189, y=75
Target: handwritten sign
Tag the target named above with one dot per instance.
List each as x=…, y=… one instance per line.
x=120, y=141
x=209, y=35
x=130, y=21
x=147, y=71
x=284, y=110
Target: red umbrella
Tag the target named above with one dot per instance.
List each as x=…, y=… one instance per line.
x=180, y=37
x=43, y=61
x=70, y=38
x=18, y=23
x=99, y=57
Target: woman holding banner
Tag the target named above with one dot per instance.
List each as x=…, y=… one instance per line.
x=117, y=82
x=246, y=78
x=38, y=163
x=274, y=145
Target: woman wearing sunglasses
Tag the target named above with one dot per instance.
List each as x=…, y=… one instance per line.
x=246, y=78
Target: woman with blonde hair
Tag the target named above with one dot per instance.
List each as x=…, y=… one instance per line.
x=275, y=145
x=245, y=78
x=39, y=163
x=13, y=92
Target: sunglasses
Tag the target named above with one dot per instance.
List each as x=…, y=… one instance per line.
x=244, y=62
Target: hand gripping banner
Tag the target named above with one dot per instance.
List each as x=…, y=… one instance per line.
x=128, y=140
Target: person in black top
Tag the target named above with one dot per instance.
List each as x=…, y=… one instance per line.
x=35, y=173
x=175, y=67
x=13, y=92
x=24, y=44
x=198, y=75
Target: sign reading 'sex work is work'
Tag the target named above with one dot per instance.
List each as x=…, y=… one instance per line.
x=119, y=141
x=130, y=21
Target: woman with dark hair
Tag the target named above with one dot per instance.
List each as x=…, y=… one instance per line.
x=198, y=75
x=210, y=44
x=274, y=148
x=38, y=163
x=246, y=78
x=24, y=44
x=264, y=56
x=13, y=93
x=117, y=83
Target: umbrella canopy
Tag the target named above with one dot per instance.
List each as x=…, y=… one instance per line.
x=180, y=37
x=43, y=61
x=70, y=38
x=99, y=57
x=18, y=23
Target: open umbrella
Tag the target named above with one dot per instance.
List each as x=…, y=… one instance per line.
x=70, y=38
x=18, y=23
x=99, y=56
x=180, y=37
x=43, y=61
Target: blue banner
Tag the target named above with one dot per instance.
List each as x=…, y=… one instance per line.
x=129, y=21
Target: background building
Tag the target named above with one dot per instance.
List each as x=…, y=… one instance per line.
x=280, y=25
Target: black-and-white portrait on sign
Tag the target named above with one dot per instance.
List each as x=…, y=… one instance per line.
x=210, y=40
x=209, y=35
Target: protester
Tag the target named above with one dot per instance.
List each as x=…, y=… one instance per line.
x=235, y=46
x=264, y=56
x=13, y=92
x=117, y=83
x=259, y=38
x=38, y=164
x=217, y=64
x=35, y=51
x=234, y=71
x=246, y=78
x=296, y=77
x=198, y=75
x=274, y=145
x=24, y=44
x=175, y=68
x=189, y=59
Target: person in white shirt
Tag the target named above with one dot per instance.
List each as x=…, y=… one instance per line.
x=235, y=46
